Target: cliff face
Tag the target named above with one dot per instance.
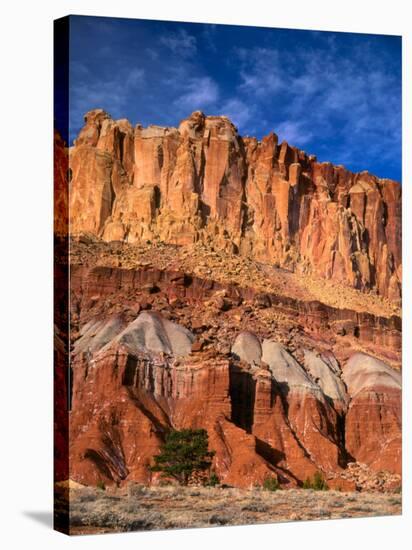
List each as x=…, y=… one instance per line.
x=155, y=350
x=202, y=182
x=218, y=282
x=270, y=418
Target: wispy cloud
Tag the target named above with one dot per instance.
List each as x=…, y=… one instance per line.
x=209, y=35
x=198, y=93
x=294, y=132
x=321, y=94
x=181, y=43
x=259, y=72
x=239, y=112
x=335, y=95
x=111, y=94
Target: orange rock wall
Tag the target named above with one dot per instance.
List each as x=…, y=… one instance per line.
x=204, y=182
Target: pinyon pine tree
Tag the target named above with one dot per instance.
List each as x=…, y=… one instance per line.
x=184, y=453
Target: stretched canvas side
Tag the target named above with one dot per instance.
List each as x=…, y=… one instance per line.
x=61, y=275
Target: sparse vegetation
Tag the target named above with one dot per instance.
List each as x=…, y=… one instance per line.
x=317, y=483
x=172, y=507
x=213, y=480
x=271, y=484
x=184, y=453
x=101, y=485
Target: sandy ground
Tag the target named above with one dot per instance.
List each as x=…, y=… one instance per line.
x=152, y=508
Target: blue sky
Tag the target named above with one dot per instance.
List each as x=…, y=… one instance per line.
x=336, y=95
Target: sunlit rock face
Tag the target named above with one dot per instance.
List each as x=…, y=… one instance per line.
x=203, y=182
x=275, y=378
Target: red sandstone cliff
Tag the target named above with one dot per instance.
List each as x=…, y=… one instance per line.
x=311, y=388
x=270, y=201
x=268, y=410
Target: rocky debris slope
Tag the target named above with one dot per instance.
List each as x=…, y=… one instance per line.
x=148, y=508
x=203, y=182
x=219, y=311
x=137, y=376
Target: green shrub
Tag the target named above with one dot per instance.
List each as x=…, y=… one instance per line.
x=100, y=485
x=317, y=483
x=213, y=480
x=183, y=454
x=271, y=484
x=307, y=484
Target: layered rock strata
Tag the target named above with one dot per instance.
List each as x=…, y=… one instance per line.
x=285, y=384
x=265, y=414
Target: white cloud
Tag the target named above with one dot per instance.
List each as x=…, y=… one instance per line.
x=135, y=78
x=294, y=133
x=110, y=94
x=181, y=43
x=198, y=93
x=260, y=71
x=238, y=111
x=314, y=95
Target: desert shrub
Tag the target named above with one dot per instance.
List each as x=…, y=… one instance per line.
x=307, y=484
x=135, y=490
x=184, y=453
x=271, y=484
x=360, y=508
x=87, y=495
x=101, y=485
x=336, y=504
x=77, y=518
x=317, y=483
x=215, y=519
x=323, y=513
x=212, y=481
x=255, y=507
x=153, y=520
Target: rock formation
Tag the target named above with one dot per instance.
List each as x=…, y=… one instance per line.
x=203, y=273
x=130, y=385
x=373, y=420
x=202, y=182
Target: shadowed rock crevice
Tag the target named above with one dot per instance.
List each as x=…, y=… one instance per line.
x=269, y=453
x=242, y=397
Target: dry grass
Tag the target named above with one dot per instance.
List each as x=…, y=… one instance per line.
x=151, y=508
